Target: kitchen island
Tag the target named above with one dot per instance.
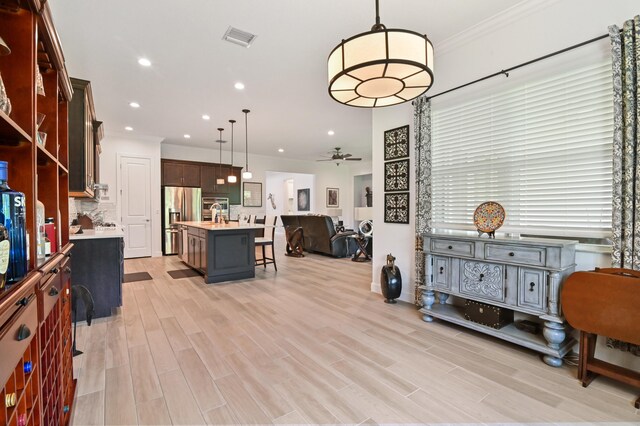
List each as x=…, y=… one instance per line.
x=222, y=252
x=97, y=262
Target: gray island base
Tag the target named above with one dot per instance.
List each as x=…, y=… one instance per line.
x=221, y=252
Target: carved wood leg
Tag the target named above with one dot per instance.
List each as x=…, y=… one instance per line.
x=555, y=334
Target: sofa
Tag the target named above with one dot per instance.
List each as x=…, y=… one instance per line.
x=320, y=234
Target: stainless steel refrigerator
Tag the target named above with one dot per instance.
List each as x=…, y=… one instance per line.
x=178, y=204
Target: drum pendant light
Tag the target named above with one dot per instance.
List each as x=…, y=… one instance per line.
x=381, y=67
x=219, y=179
x=231, y=178
x=246, y=174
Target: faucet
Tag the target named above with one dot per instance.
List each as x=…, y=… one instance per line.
x=215, y=218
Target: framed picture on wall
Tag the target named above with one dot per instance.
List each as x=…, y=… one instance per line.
x=333, y=199
x=304, y=200
x=396, y=175
x=396, y=143
x=252, y=194
x=396, y=207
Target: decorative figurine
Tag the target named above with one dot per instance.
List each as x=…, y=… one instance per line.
x=390, y=280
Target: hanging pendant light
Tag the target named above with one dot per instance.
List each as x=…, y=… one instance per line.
x=246, y=174
x=232, y=178
x=220, y=180
x=381, y=67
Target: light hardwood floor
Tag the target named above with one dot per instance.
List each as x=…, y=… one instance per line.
x=310, y=344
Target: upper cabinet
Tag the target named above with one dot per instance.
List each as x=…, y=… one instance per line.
x=177, y=173
x=204, y=176
x=84, y=140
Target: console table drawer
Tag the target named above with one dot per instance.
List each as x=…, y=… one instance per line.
x=532, y=288
x=535, y=256
x=453, y=248
x=483, y=280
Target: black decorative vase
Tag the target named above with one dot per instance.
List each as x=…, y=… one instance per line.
x=390, y=280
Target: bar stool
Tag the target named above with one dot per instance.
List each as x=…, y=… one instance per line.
x=267, y=240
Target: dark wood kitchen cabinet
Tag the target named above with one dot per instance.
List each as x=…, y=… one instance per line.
x=204, y=176
x=83, y=138
x=178, y=173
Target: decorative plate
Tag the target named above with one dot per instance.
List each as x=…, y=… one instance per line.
x=488, y=216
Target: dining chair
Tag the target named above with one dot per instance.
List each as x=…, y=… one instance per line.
x=267, y=240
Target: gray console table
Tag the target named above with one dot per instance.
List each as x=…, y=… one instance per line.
x=521, y=274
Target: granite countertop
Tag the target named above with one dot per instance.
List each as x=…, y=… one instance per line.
x=88, y=234
x=210, y=226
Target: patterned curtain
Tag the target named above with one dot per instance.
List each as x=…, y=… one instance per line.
x=625, y=51
x=422, y=137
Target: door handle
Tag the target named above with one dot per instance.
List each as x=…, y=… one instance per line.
x=147, y=220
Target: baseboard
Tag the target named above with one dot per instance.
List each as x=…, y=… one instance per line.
x=156, y=254
x=404, y=296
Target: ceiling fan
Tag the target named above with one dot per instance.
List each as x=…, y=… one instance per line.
x=338, y=156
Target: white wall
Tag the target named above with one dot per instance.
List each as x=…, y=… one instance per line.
x=521, y=34
x=395, y=238
x=276, y=184
x=114, y=144
x=327, y=175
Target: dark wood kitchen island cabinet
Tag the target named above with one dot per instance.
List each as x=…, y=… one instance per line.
x=98, y=264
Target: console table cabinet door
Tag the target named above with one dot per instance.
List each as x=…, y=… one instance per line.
x=441, y=272
x=532, y=288
x=482, y=280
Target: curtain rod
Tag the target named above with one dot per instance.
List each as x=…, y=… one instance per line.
x=506, y=72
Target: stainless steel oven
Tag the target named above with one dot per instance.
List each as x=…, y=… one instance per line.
x=207, y=202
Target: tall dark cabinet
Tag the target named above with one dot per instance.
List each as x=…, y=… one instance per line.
x=204, y=175
x=85, y=133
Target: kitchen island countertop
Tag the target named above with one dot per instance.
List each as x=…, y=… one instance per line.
x=92, y=234
x=210, y=226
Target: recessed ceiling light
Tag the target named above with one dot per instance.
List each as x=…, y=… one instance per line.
x=129, y=129
x=239, y=85
x=144, y=62
x=280, y=150
x=134, y=105
x=187, y=136
x=331, y=133
x=205, y=117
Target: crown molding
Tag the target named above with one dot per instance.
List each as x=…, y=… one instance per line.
x=515, y=13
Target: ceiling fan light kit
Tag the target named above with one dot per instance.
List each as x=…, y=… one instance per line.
x=338, y=156
x=381, y=67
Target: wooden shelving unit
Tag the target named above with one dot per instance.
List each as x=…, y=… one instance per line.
x=41, y=301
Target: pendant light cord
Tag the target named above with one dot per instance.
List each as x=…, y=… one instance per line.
x=220, y=158
x=232, y=122
x=246, y=139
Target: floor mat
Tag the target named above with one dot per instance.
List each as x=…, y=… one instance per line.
x=183, y=273
x=137, y=276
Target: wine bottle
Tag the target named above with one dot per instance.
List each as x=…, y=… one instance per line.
x=5, y=247
x=13, y=217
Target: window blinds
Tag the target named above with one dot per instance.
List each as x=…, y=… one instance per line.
x=542, y=149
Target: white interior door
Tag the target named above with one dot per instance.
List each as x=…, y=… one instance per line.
x=135, y=196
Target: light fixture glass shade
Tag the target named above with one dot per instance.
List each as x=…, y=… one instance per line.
x=219, y=181
x=232, y=179
x=247, y=175
x=381, y=67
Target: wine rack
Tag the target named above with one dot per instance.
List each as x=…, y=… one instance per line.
x=22, y=388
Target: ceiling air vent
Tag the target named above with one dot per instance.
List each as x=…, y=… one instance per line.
x=236, y=36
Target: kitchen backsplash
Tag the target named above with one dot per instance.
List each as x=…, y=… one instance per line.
x=103, y=210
